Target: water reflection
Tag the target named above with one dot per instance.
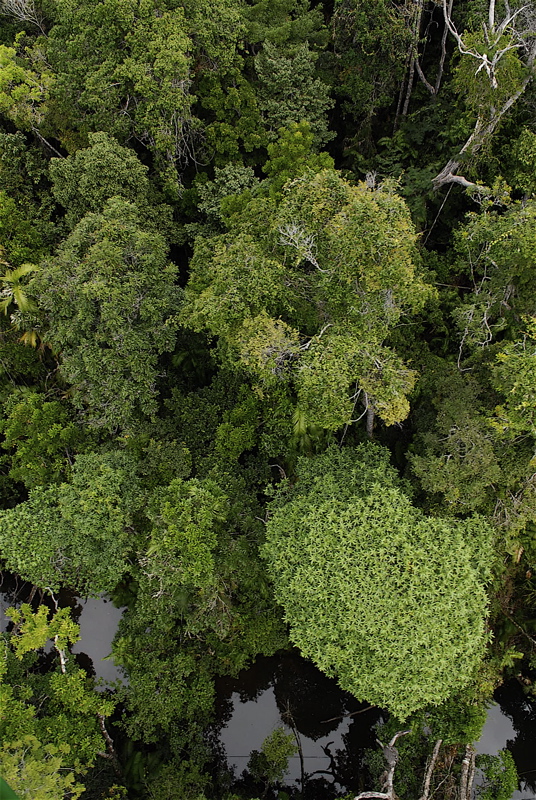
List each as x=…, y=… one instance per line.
x=497, y=731
x=521, y=710
x=332, y=727
x=98, y=619
x=13, y=592
x=97, y=616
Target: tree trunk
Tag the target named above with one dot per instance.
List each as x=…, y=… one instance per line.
x=484, y=129
x=370, y=421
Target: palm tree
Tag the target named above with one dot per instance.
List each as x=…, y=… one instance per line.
x=12, y=293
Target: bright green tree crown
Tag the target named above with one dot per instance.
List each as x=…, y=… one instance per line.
x=387, y=600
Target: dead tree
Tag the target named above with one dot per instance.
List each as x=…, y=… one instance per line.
x=391, y=757
x=23, y=11
x=516, y=32
x=463, y=790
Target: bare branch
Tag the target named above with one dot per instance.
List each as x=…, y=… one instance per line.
x=46, y=142
x=316, y=337
x=391, y=756
x=422, y=76
x=347, y=716
x=23, y=11
x=480, y=135
x=429, y=770
x=292, y=235
x=111, y=754
x=61, y=653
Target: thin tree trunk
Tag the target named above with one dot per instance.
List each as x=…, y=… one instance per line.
x=391, y=756
x=422, y=76
x=468, y=761
x=439, y=77
x=430, y=770
x=111, y=755
x=370, y=420
x=418, y=11
x=401, y=93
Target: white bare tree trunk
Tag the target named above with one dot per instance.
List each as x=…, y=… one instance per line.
x=520, y=29
x=391, y=756
x=23, y=11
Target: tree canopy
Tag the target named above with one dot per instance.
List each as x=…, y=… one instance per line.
x=386, y=599
x=267, y=370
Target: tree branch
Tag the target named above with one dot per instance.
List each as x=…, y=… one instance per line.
x=111, y=754
x=430, y=770
x=443, y=52
x=24, y=11
x=391, y=756
x=518, y=39
x=480, y=134
x=422, y=76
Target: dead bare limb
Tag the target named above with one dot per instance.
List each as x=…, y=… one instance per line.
x=391, y=756
x=23, y=11
x=430, y=769
x=468, y=763
x=518, y=28
x=111, y=755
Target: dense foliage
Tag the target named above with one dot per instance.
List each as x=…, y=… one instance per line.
x=267, y=373
x=389, y=601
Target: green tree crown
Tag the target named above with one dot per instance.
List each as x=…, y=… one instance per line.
x=387, y=600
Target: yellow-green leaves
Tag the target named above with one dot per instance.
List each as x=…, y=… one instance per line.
x=185, y=517
x=387, y=600
x=34, y=629
x=38, y=771
x=24, y=87
x=12, y=294
x=514, y=375
x=49, y=720
x=306, y=287
x=488, y=73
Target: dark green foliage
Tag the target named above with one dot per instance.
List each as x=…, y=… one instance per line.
x=108, y=300
x=59, y=534
x=284, y=22
x=271, y=763
x=108, y=58
x=198, y=300
x=457, y=456
x=42, y=436
x=288, y=91
x=84, y=181
x=496, y=249
x=371, y=41
x=500, y=776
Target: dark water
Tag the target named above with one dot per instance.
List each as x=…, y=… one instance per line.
x=286, y=691
x=332, y=728
x=511, y=723
x=98, y=619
